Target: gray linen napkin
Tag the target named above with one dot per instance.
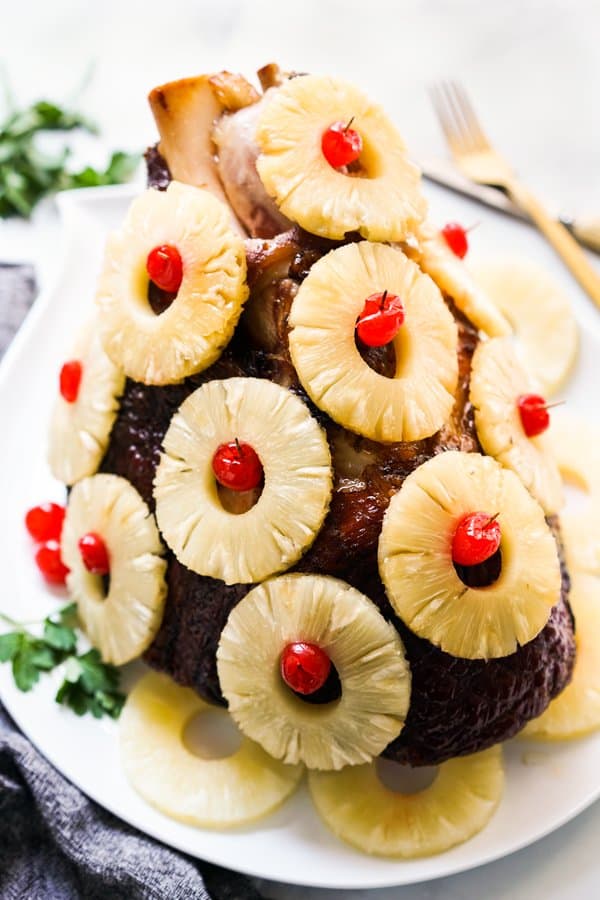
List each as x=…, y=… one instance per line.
x=55, y=843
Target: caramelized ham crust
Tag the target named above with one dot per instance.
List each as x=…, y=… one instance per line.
x=458, y=706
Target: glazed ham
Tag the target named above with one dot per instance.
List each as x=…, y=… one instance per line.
x=457, y=706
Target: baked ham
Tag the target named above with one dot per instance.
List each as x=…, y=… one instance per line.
x=458, y=706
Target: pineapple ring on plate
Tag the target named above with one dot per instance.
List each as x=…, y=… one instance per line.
x=295, y=457
x=576, y=711
x=122, y=622
x=366, y=651
x=371, y=817
x=454, y=278
x=191, y=333
x=417, y=569
x=574, y=443
x=205, y=792
x=546, y=332
x=383, y=202
x=418, y=400
x=497, y=381
x=80, y=426
x=580, y=532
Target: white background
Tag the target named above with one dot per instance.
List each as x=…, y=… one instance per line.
x=533, y=68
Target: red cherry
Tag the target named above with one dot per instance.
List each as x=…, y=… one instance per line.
x=44, y=522
x=456, y=238
x=341, y=145
x=304, y=667
x=70, y=380
x=533, y=410
x=236, y=466
x=380, y=319
x=94, y=553
x=165, y=268
x=477, y=537
x=50, y=564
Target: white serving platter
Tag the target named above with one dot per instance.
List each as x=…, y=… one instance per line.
x=546, y=785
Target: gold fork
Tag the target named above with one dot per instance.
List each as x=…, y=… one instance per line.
x=478, y=160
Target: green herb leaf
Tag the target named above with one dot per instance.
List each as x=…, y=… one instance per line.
x=91, y=686
x=27, y=175
x=41, y=655
x=10, y=645
x=25, y=672
x=59, y=636
x=74, y=696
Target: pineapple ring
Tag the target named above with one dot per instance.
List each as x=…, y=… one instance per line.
x=362, y=811
x=415, y=558
x=122, y=623
x=80, y=431
x=191, y=333
x=386, y=205
x=209, y=793
x=580, y=532
x=497, y=380
x=453, y=278
x=546, y=331
x=574, y=444
x=418, y=401
x=365, y=649
x=295, y=456
x=576, y=711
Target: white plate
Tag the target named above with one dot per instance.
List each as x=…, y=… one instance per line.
x=546, y=785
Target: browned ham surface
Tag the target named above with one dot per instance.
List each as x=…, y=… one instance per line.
x=457, y=706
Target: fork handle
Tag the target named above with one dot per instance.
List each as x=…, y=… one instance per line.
x=565, y=245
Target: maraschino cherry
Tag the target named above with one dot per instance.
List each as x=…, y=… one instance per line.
x=44, y=522
x=236, y=466
x=380, y=319
x=94, y=553
x=476, y=539
x=341, y=145
x=165, y=268
x=533, y=410
x=70, y=380
x=456, y=238
x=304, y=667
x=50, y=564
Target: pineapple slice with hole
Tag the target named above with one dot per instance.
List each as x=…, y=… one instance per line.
x=191, y=333
x=452, y=276
x=206, y=792
x=576, y=711
x=418, y=400
x=382, y=201
x=416, y=566
x=580, y=532
x=80, y=431
x=365, y=813
x=122, y=621
x=365, y=649
x=293, y=450
x=546, y=332
x=574, y=442
x=497, y=381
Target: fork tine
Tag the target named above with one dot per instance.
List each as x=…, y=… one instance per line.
x=444, y=116
x=461, y=125
x=469, y=116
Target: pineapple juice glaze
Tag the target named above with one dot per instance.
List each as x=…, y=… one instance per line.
x=298, y=380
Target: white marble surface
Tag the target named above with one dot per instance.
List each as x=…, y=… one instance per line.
x=533, y=68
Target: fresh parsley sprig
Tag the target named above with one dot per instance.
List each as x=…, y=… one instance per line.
x=27, y=174
x=89, y=684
